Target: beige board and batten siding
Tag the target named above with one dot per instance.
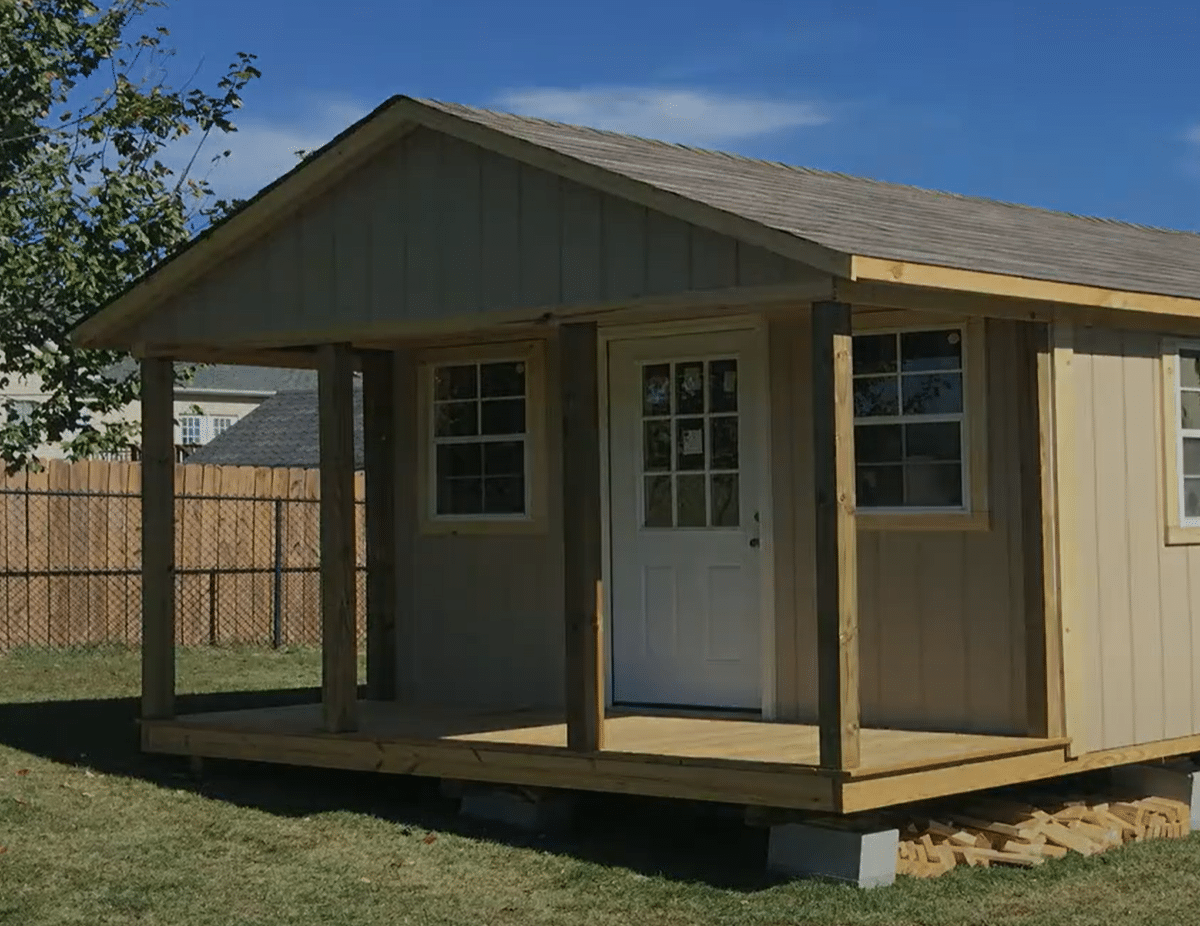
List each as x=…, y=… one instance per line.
x=941, y=613
x=1137, y=599
x=435, y=228
x=480, y=618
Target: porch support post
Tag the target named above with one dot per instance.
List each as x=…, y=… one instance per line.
x=158, y=538
x=582, y=581
x=1043, y=627
x=379, y=440
x=339, y=659
x=836, y=550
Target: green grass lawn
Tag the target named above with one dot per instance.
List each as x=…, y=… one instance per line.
x=95, y=833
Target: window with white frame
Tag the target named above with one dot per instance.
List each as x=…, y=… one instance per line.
x=221, y=424
x=910, y=429
x=191, y=430
x=480, y=440
x=1187, y=404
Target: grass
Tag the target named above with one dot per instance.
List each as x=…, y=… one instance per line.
x=93, y=832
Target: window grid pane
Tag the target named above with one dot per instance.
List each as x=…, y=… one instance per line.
x=480, y=440
x=909, y=407
x=689, y=450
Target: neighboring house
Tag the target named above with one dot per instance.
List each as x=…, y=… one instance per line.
x=694, y=475
x=281, y=431
x=215, y=398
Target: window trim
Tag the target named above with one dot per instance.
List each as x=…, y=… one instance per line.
x=1179, y=531
x=532, y=354
x=975, y=514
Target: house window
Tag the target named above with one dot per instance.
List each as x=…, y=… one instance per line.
x=191, y=430
x=1181, y=420
x=480, y=439
x=221, y=424
x=910, y=420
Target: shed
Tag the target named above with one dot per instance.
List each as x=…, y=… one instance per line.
x=701, y=476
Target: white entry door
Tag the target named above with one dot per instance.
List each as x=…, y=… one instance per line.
x=684, y=445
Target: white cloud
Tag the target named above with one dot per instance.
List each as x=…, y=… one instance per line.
x=686, y=116
x=263, y=149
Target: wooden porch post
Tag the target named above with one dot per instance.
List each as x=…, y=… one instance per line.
x=836, y=552
x=339, y=665
x=158, y=538
x=582, y=584
x=1039, y=524
x=379, y=440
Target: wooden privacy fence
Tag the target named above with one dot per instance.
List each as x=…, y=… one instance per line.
x=247, y=556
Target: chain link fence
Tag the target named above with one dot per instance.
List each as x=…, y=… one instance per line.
x=247, y=565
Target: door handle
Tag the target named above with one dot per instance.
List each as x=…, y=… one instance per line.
x=754, y=541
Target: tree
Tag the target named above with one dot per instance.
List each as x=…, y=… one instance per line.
x=103, y=173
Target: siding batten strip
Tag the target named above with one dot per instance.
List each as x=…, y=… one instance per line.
x=339, y=659
x=583, y=592
x=379, y=437
x=836, y=553
x=158, y=539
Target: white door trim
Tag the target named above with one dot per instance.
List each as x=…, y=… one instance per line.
x=760, y=387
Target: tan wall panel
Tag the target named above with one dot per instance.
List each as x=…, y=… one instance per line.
x=940, y=613
x=435, y=228
x=1138, y=608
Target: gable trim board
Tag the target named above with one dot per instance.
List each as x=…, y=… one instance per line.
x=401, y=115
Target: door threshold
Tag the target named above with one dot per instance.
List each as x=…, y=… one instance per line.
x=627, y=708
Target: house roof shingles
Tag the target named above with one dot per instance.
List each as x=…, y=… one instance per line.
x=281, y=431
x=885, y=220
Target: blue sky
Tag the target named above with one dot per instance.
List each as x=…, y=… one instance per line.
x=1063, y=104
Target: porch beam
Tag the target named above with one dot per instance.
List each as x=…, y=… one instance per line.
x=158, y=538
x=379, y=440
x=339, y=659
x=1043, y=629
x=836, y=548
x=582, y=586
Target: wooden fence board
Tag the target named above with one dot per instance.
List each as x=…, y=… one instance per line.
x=83, y=521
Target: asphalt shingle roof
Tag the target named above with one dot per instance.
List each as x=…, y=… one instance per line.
x=281, y=431
x=886, y=220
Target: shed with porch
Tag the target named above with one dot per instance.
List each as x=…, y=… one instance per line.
x=699, y=476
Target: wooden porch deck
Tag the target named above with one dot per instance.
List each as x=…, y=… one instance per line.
x=735, y=760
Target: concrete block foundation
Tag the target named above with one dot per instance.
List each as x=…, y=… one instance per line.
x=866, y=859
x=533, y=811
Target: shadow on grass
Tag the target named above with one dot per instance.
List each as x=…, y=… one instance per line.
x=672, y=839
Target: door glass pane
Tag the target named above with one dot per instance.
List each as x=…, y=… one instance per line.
x=656, y=446
x=724, y=492
x=658, y=501
x=689, y=443
x=724, y=442
x=689, y=388
x=690, y=501
x=722, y=386
x=656, y=389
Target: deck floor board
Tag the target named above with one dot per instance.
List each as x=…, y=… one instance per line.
x=688, y=737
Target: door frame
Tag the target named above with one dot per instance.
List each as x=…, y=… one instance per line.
x=759, y=391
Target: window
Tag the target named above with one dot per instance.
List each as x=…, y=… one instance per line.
x=920, y=419
x=221, y=424
x=908, y=419
x=480, y=439
x=690, y=443
x=191, y=430
x=1181, y=425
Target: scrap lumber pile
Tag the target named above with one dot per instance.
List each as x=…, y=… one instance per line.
x=982, y=831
